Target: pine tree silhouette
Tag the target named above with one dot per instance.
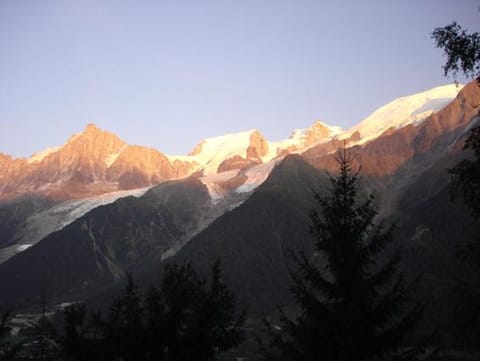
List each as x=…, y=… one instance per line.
x=351, y=302
x=185, y=319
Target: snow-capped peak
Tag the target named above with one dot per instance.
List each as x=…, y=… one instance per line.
x=301, y=139
x=211, y=152
x=318, y=128
x=403, y=111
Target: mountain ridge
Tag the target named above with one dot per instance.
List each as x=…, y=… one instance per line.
x=96, y=161
x=255, y=208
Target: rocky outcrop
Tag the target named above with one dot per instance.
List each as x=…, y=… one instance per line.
x=317, y=132
x=258, y=146
x=7, y=166
x=197, y=150
x=237, y=162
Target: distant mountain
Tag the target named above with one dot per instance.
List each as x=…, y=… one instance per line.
x=73, y=218
x=423, y=140
x=89, y=163
x=96, y=162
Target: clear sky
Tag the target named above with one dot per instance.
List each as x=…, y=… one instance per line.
x=166, y=74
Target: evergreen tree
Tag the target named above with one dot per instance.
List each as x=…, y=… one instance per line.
x=185, y=319
x=213, y=327
x=351, y=303
x=74, y=342
x=200, y=316
x=123, y=329
x=118, y=336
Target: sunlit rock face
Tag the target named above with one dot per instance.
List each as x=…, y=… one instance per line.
x=95, y=161
x=258, y=146
x=237, y=162
x=317, y=132
x=401, y=131
x=138, y=166
x=89, y=163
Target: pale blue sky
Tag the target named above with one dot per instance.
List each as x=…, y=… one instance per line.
x=168, y=73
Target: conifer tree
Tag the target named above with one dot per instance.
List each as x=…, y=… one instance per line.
x=199, y=316
x=123, y=329
x=351, y=299
x=187, y=318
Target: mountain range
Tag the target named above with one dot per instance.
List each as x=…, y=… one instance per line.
x=74, y=218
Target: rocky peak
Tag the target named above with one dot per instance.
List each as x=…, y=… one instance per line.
x=94, y=134
x=198, y=149
x=93, y=145
x=4, y=158
x=5, y=164
x=258, y=146
x=317, y=132
x=300, y=139
x=91, y=128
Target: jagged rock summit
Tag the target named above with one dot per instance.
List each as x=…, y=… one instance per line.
x=96, y=161
x=89, y=163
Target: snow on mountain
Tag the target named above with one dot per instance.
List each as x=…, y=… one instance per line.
x=37, y=157
x=215, y=182
x=71, y=210
x=211, y=152
x=112, y=157
x=301, y=139
x=403, y=111
x=256, y=176
x=237, y=181
x=53, y=219
x=100, y=157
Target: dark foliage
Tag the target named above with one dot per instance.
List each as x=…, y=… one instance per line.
x=461, y=49
x=187, y=318
x=8, y=349
x=352, y=305
x=465, y=176
x=38, y=341
x=42, y=342
x=465, y=179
